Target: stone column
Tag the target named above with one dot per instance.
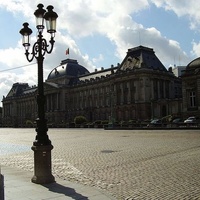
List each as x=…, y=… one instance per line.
x=47, y=102
x=129, y=94
x=122, y=94
x=57, y=101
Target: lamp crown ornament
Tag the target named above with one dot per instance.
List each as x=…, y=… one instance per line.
x=50, y=15
x=26, y=30
x=40, y=10
x=39, y=15
x=50, y=18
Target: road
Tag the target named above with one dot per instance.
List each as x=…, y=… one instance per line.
x=131, y=164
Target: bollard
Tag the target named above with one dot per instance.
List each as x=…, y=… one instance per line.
x=1, y=186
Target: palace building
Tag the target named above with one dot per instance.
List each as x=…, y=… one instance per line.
x=139, y=88
x=191, y=89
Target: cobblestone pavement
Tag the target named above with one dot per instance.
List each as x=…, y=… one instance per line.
x=132, y=164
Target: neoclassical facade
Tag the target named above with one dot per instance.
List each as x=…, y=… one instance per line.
x=139, y=88
x=19, y=105
x=191, y=89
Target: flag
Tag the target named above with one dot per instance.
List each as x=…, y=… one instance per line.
x=67, y=51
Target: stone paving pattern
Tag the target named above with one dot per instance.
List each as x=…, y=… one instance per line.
x=129, y=165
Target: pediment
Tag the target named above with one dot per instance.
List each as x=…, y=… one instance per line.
x=131, y=63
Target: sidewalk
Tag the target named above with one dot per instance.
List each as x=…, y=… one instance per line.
x=18, y=185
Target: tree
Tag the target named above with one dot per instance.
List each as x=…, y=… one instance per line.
x=80, y=120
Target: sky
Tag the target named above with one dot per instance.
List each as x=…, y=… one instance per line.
x=98, y=34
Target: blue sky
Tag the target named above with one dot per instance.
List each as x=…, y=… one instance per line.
x=170, y=25
x=99, y=33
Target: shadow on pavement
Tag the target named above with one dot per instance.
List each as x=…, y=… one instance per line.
x=70, y=192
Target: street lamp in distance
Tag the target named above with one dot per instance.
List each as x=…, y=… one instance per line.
x=42, y=145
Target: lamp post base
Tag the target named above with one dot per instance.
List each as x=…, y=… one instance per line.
x=42, y=164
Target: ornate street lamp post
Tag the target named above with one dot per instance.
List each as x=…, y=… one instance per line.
x=42, y=145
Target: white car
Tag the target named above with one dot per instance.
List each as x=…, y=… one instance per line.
x=190, y=120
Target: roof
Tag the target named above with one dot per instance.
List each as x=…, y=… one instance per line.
x=98, y=74
x=194, y=64
x=142, y=57
x=69, y=68
x=193, y=67
x=19, y=89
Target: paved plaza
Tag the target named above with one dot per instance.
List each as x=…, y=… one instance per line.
x=128, y=165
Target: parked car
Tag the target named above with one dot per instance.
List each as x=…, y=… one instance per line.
x=155, y=123
x=190, y=120
x=177, y=120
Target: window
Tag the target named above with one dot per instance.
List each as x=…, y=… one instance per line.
x=192, y=99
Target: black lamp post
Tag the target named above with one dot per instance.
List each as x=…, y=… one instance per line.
x=42, y=145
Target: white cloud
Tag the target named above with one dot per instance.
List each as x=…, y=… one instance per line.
x=12, y=57
x=99, y=58
x=196, y=49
